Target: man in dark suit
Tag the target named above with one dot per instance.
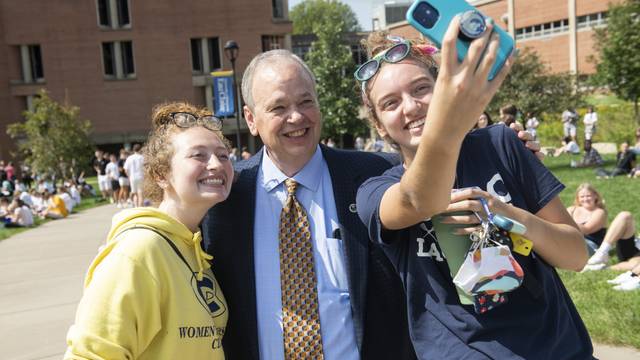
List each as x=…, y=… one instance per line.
x=361, y=306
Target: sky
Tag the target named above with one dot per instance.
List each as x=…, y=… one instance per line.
x=362, y=8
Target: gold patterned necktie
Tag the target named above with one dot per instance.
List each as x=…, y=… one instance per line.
x=301, y=322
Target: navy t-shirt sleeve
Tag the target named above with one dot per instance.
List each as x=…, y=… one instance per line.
x=368, y=204
x=539, y=185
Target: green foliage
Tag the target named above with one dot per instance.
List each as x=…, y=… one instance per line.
x=615, y=124
x=532, y=88
x=618, y=46
x=611, y=317
x=53, y=139
x=310, y=12
x=332, y=64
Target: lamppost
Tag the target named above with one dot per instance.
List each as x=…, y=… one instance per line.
x=231, y=50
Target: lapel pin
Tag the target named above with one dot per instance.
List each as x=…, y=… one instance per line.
x=352, y=208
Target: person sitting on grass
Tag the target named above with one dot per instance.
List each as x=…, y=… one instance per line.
x=569, y=146
x=625, y=161
x=19, y=215
x=630, y=279
x=621, y=236
x=56, y=208
x=66, y=197
x=4, y=207
x=590, y=214
x=591, y=156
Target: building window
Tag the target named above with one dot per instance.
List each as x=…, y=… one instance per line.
x=395, y=13
x=359, y=54
x=205, y=55
x=113, y=14
x=32, y=67
x=560, y=26
x=117, y=58
x=277, y=8
x=272, y=42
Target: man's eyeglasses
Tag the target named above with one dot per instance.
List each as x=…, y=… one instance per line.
x=394, y=54
x=187, y=120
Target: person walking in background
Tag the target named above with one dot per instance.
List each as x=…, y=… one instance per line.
x=10, y=171
x=569, y=121
x=590, y=119
x=150, y=292
x=134, y=168
x=123, y=180
x=100, y=166
x=113, y=174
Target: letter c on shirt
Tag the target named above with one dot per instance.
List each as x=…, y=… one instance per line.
x=506, y=198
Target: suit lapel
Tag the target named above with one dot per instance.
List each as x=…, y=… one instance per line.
x=354, y=238
x=243, y=247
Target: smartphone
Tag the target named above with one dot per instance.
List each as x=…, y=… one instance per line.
x=432, y=18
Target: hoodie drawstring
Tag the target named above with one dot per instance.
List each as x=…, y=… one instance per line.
x=202, y=258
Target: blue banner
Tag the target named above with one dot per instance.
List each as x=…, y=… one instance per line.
x=223, y=94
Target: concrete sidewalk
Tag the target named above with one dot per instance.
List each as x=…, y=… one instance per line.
x=41, y=275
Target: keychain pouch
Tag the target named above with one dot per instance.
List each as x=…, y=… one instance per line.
x=489, y=270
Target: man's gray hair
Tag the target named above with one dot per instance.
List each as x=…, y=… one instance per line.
x=268, y=57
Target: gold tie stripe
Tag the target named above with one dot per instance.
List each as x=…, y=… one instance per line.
x=301, y=322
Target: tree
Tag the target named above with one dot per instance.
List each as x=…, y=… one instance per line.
x=52, y=139
x=310, y=12
x=332, y=64
x=618, y=46
x=532, y=88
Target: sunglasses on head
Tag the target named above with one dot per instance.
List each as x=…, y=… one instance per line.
x=187, y=120
x=392, y=55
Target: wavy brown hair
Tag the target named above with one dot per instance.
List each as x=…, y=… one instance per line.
x=378, y=42
x=158, y=150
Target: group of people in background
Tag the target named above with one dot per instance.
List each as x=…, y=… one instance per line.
x=120, y=177
x=21, y=202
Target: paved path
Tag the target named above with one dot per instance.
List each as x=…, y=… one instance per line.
x=41, y=274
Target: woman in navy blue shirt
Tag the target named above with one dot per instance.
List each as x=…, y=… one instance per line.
x=539, y=321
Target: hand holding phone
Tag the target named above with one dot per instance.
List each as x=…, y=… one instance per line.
x=432, y=19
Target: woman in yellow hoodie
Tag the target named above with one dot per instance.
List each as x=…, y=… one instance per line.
x=150, y=292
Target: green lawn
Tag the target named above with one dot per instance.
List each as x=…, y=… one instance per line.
x=86, y=203
x=612, y=317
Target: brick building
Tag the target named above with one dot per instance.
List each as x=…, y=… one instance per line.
x=560, y=31
x=115, y=59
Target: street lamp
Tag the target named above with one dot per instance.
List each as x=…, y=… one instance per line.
x=231, y=50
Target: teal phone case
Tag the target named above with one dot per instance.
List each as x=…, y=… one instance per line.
x=448, y=9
